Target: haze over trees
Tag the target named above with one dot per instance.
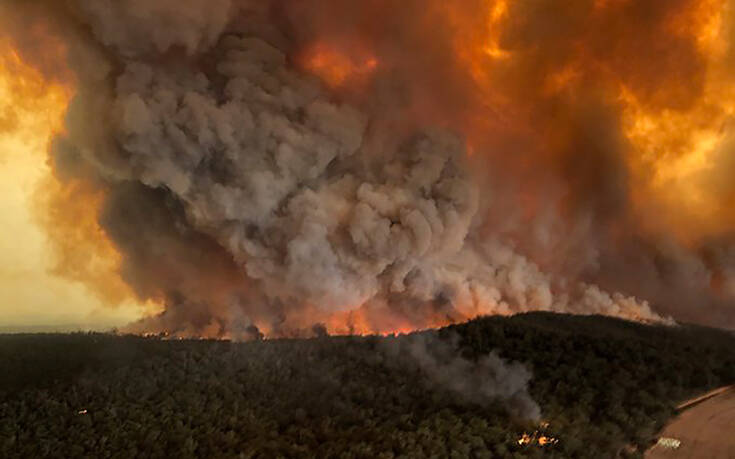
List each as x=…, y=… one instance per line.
x=602, y=384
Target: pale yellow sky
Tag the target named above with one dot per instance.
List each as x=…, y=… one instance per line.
x=30, y=295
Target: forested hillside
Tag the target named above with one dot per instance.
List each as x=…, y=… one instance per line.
x=604, y=386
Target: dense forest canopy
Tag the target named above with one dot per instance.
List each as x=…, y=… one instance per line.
x=604, y=386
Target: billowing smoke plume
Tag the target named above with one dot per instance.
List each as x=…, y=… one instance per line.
x=488, y=379
x=271, y=166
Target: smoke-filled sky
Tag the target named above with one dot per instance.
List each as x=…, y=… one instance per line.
x=235, y=167
x=32, y=294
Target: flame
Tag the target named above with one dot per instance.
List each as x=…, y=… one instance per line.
x=538, y=437
x=524, y=440
x=337, y=68
x=372, y=320
x=358, y=320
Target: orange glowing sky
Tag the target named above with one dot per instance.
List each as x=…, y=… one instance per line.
x=677, y=154
x=31, y=110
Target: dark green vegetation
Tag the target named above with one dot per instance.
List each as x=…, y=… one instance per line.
x=602, y=384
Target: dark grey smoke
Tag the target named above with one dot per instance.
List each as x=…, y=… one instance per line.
x=485, y=380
